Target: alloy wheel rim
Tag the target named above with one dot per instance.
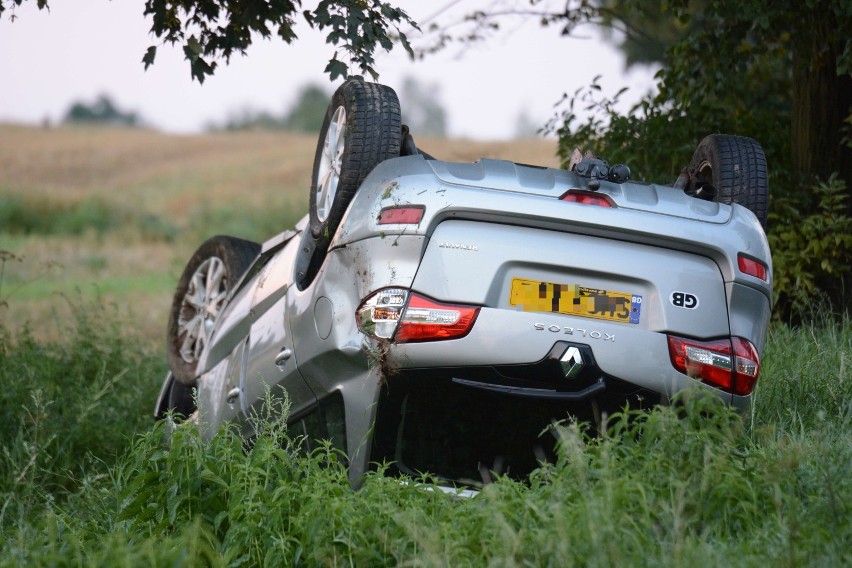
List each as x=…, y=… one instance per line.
x=205, y=296
x=328, y=174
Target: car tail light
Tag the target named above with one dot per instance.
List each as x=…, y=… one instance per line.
x=729, y=364
x=379, y=314
x=751, y=267
x=401, y=215
x=587, y=198
x=746, y=366
x=396, y=313
x=427, y=320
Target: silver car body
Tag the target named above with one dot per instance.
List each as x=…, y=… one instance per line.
x=484, y=225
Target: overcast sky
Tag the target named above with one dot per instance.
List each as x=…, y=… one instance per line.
x=80, y=49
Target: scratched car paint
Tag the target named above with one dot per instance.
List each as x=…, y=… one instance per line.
x=438, y=316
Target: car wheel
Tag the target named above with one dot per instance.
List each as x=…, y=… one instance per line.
x=731, y=169
x=202, y=291
x=361, y=129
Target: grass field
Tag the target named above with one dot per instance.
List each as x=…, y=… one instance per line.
x=86, y=481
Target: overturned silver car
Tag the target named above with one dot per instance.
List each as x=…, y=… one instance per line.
x=439, y=316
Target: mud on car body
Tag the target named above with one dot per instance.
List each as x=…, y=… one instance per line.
x=439, y=316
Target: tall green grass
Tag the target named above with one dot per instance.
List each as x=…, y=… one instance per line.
x=246, y=222
x=44, y=216
x=41, y=216
x=696, y=485
x=68, y=409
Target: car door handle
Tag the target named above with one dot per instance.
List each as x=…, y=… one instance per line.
x=282, y=358
x=233, y=395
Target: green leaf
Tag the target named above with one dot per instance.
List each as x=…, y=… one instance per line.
x=200, y=69
x=336, y=68
x=193, y=45
x=148, y=58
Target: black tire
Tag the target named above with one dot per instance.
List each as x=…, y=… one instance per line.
x=178, y=399
x=220, y=261
x=735, y=169
x=371, y=133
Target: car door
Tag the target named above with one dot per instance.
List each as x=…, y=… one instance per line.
x=268, y=360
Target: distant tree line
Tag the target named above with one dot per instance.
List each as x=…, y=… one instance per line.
x=306, y=114
x=102, y=111
x=422, y=112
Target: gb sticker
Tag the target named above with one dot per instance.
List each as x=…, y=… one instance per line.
x=684, y=300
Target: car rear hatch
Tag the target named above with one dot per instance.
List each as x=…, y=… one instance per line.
x=538, y=287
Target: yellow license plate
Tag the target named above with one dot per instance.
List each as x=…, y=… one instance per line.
x=575, y=300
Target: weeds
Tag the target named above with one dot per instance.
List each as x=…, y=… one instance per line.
x=28, y=216
x=47, y=217
x=5, y=256
x=67, y=410
x=695, y=484
x=243, y=221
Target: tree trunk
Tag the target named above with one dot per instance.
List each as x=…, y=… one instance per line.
x=821, y=103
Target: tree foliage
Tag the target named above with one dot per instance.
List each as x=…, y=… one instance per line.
x=776, y=72
x=812, y=249
x=646, y=29
x=306, y=114
x=102, y=111
x=214, y=30
x=786, y=62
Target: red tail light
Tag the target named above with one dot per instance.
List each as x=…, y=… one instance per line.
x=729, y=364
x=751, y=267
x=408, y=317
x=587, y=198
x=427, y=320
x=746, y=366
x=401, y=215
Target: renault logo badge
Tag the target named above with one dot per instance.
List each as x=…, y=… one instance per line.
x=572, y=362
